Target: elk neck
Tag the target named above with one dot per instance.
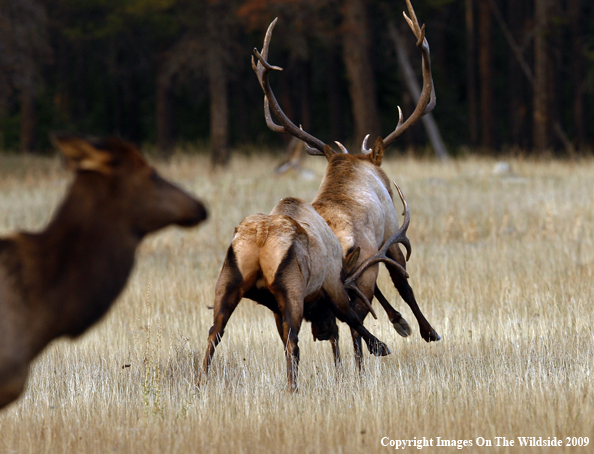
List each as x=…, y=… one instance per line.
x=355, y=199
x=349, y=177
x=76, y=267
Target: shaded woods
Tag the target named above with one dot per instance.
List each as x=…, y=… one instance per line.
x=509, y=74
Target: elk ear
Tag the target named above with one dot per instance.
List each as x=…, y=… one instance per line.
x=377, y=153
x=81, y=155
x=351, y=260
x=328, y=152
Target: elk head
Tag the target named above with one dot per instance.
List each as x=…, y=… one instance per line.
x=380, y=256
x=112, y=169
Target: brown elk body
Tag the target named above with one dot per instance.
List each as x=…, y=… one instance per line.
x=356, y=200
x=355, y=197
x=62, y=280
x=291, y=262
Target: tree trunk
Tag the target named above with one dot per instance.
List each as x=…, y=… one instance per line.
x=239, y=113
x=415, y=90
x=305, y=95
x=3, y=114
x=577, y=71
x=485, y=70
x=285, y=98
x=540, y=100
x=164, y=114
x=219, y=102
x=219, y=112
x=555, y=91
x=471, y=73
x=517, y=81
x=28, y=115
x=357, y=61
x=131, y=117
x=518, y=52
x=334, y=96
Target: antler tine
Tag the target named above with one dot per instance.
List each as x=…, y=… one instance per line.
x=342, y=147
x=405, y=223
x=364, y=149
x=262, y=70
x=380, y=256
x=265, y=46
x=258, y=69
x=360, y=294
x=268, y=37
x=427, y=100
x=413, y=22
x=400, y=119
x=269, y=121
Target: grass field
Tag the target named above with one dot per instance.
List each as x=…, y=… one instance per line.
x=502, y=267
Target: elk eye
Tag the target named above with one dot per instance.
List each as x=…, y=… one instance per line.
x=155, y=176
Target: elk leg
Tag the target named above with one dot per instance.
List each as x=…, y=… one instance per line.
x=291, y=332
x=374, y=345
x=406, y=292
x=225, y=304
x=335, y=350
x=400, y=324
x=278, y=318
x=345, y=313
x=288, y=323
x=358, y=349
x=362, y=312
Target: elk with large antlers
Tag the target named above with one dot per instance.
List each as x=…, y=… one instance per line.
x=62, y=280
x=355, y=197
x=291, y=262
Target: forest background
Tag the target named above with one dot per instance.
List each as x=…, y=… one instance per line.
x=510, y=76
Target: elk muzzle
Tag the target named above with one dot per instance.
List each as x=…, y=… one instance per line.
x=196, y=214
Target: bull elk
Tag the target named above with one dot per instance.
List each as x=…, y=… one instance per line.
x=355, y=197
x=60, y=281
x=291, y=262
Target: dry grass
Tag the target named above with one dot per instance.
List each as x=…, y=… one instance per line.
x=502, y=267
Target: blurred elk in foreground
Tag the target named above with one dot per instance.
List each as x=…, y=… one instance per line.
x=62, y=280
x=291, y=262
x=355, y=197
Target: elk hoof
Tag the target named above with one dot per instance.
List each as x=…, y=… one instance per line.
x=402, y=327
x=378, y=348
x=431, y=336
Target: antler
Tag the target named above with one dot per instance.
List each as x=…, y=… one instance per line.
x=262, y=69
x=427, y=100
x=380, y=256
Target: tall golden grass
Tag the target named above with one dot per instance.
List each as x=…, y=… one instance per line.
x=502, y=266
